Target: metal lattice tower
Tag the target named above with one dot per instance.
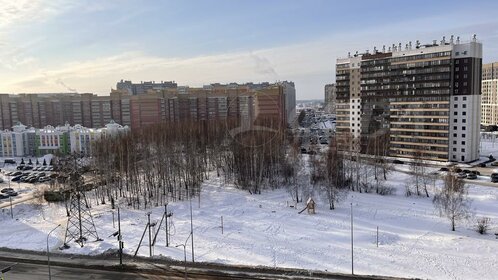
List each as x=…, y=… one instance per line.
x=80, y=225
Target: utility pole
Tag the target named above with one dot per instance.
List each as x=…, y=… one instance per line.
x=48, y=253
x=11, y=212
x=166, y=225
x=352, y=256
x=150, y=237
x=191, y=224
x=119, y=240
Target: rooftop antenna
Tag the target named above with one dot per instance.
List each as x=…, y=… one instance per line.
x=384, y=48
x=389, y=49
x=474, y=38
x=434, y=42
x=367, y=51
x=417, y=44
x=410, y=45
x=443, y=41
x=399, y=47
x=375, y=50
x=406, y=46
x=451, y=39
x=349, y=54
x=458, y=40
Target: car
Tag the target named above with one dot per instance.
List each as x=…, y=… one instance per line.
x=4, y=196
x=461, y=175
x=494, y=177
x=17, y=173
x=12, y=193
x=475, y=172
x=397, y=161
x=9, y=161
x=16, y=179
x=444, y=169
x=458, y=170
x=482, y=164
x=466, y=171
x=471, y=176
x=9, y=173
x=494, y=163
x=5, y=190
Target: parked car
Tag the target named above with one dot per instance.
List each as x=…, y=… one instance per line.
x=494, y=177
x=471, y=176
x=9, y=161
x=17, y=173
x=397, y=161
x=5, y=190
x=461, y=175
x=458, y=170
x=494, y=163
x=475, y=172
x=482, y=164
x=444, y=169
x=4, y=196
x=12, y=193
x=466, y=171
x=16, y=179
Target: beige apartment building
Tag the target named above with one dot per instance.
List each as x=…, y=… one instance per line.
x=489, y=102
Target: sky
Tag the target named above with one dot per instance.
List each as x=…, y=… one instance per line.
x=88, y=46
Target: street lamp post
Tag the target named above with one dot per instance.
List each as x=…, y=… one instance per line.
x=191, y=223
x=185, y=253
x=48, y=253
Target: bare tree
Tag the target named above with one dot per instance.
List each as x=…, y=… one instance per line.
x=451, y=200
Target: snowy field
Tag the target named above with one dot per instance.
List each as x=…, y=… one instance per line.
x=263, y=230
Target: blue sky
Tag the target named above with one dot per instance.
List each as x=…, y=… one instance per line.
x=87, y=46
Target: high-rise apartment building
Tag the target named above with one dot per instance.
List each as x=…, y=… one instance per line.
x=416, y=101
x=249, y=102
x=330, y=97
x=143, y=87
x=489, y=99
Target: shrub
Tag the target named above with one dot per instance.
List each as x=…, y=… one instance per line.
x=56, y=196
x=482, y=225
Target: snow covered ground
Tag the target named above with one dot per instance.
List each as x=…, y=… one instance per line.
x=263, y=230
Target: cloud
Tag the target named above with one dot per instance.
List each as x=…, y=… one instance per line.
x=18, y=11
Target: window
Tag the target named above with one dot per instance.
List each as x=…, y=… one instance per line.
x=464, y=120
x=463, y=128
x=463, y=150
x=463, y=142
x=465, y=98
x=455, y=128
x=455, y=120
x=457, y=61
x=455, y=113
x=455, y=98
x=455, y=106
x=454, y=142
x=463, y=135
x=454, y=135
x=454, y=149
x=464, y=113
x=457, y=54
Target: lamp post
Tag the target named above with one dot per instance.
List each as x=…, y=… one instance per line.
x=48, y=253
x=185, y=253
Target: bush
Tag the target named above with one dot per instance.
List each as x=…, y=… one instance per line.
x=482, y=225
x=56, y=196
x=385, y=190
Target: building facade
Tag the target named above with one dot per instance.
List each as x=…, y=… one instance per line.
x=216, y=101
x=412, y=101
x=330, y=97
x=489, y=99
x=22, y=141
x=143, y=87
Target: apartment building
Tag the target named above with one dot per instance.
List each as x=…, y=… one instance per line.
x=489, y=98
x=249, y=101
x=416, y=101
x=330, y=97
x=142, y=87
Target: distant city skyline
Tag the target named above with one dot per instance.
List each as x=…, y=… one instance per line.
x=87, y=46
